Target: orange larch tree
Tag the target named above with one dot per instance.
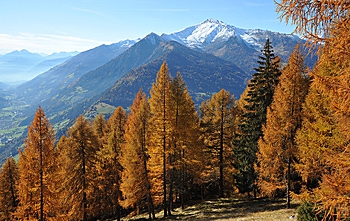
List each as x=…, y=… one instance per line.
x=185, y=147
x=38, y=172
x=108, y=166
x=217, y=133
x=9, y=177
x=136, y=185
x=79, y=152
x=329, y=21
x=277, y=148
x=160, y=130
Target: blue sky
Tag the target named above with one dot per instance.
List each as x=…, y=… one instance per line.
x=48, y=26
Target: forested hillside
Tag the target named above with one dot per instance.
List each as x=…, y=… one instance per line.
x=287, y=136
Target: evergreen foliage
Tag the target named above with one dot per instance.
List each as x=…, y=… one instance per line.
x=259, y=97
x=277, y=148
x=163, y=154
x=306, y=212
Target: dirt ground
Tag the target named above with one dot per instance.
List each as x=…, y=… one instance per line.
x=232, y=210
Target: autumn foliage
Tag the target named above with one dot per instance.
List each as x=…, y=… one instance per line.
x=288, y=135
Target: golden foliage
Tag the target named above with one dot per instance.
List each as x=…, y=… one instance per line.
x=330, y=20
x=217, y=128
x=135, y=184
x=9, y=177
x=38, y=172
x=313, y=18
x=160, y=131
x=277, y=149
x=79, y=153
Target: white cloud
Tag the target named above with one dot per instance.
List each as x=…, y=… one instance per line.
x=45, y=43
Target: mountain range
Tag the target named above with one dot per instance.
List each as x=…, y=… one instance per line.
x=210, y=56
x=19, y=66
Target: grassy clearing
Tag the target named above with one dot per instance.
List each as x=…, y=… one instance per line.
x=232, y=210
x=104, y=108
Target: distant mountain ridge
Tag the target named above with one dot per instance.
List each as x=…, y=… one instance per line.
x=210, y=56
x=209, y=31
x=203, y=73
x=19, y=66
x=50, y=83
x=88, y=75
x=240, y=46
x=213, y=31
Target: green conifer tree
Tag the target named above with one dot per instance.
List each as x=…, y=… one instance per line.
x=259, y=97
x=277, y=148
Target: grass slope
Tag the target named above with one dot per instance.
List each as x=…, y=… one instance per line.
x=231, y=210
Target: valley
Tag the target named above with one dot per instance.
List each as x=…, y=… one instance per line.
x=210, y=56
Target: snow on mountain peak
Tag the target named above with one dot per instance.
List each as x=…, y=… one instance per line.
x=204, y=33
x=209, y=31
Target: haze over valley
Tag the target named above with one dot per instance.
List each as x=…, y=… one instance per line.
x=210, y=56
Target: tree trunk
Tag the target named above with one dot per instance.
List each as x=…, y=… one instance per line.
x=41, y=174
x=182, y=179
x=164, y=177
x=288, y=183
x=221, y=154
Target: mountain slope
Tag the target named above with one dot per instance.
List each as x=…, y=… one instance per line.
x=50, y=83
x=207, y=32
x=13, y=66
x=207, y=55
x=204, y=74
x=3, y=86
x=97, y=81
x=240, y=46
x=21, y=66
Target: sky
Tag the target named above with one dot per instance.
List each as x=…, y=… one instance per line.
x=47, y=26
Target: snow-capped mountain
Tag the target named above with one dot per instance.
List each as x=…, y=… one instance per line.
x=198, y=36
x=237, y=45
x=213, y=31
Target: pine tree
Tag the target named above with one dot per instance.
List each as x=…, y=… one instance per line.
x=277, y=148
x=260, y=92
x=109, y=168
x=185, y=149
x=38, y=172
x=160, y=136
x=136, y=185
x=217, y=133
x=9, y=177
x=79, y=150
